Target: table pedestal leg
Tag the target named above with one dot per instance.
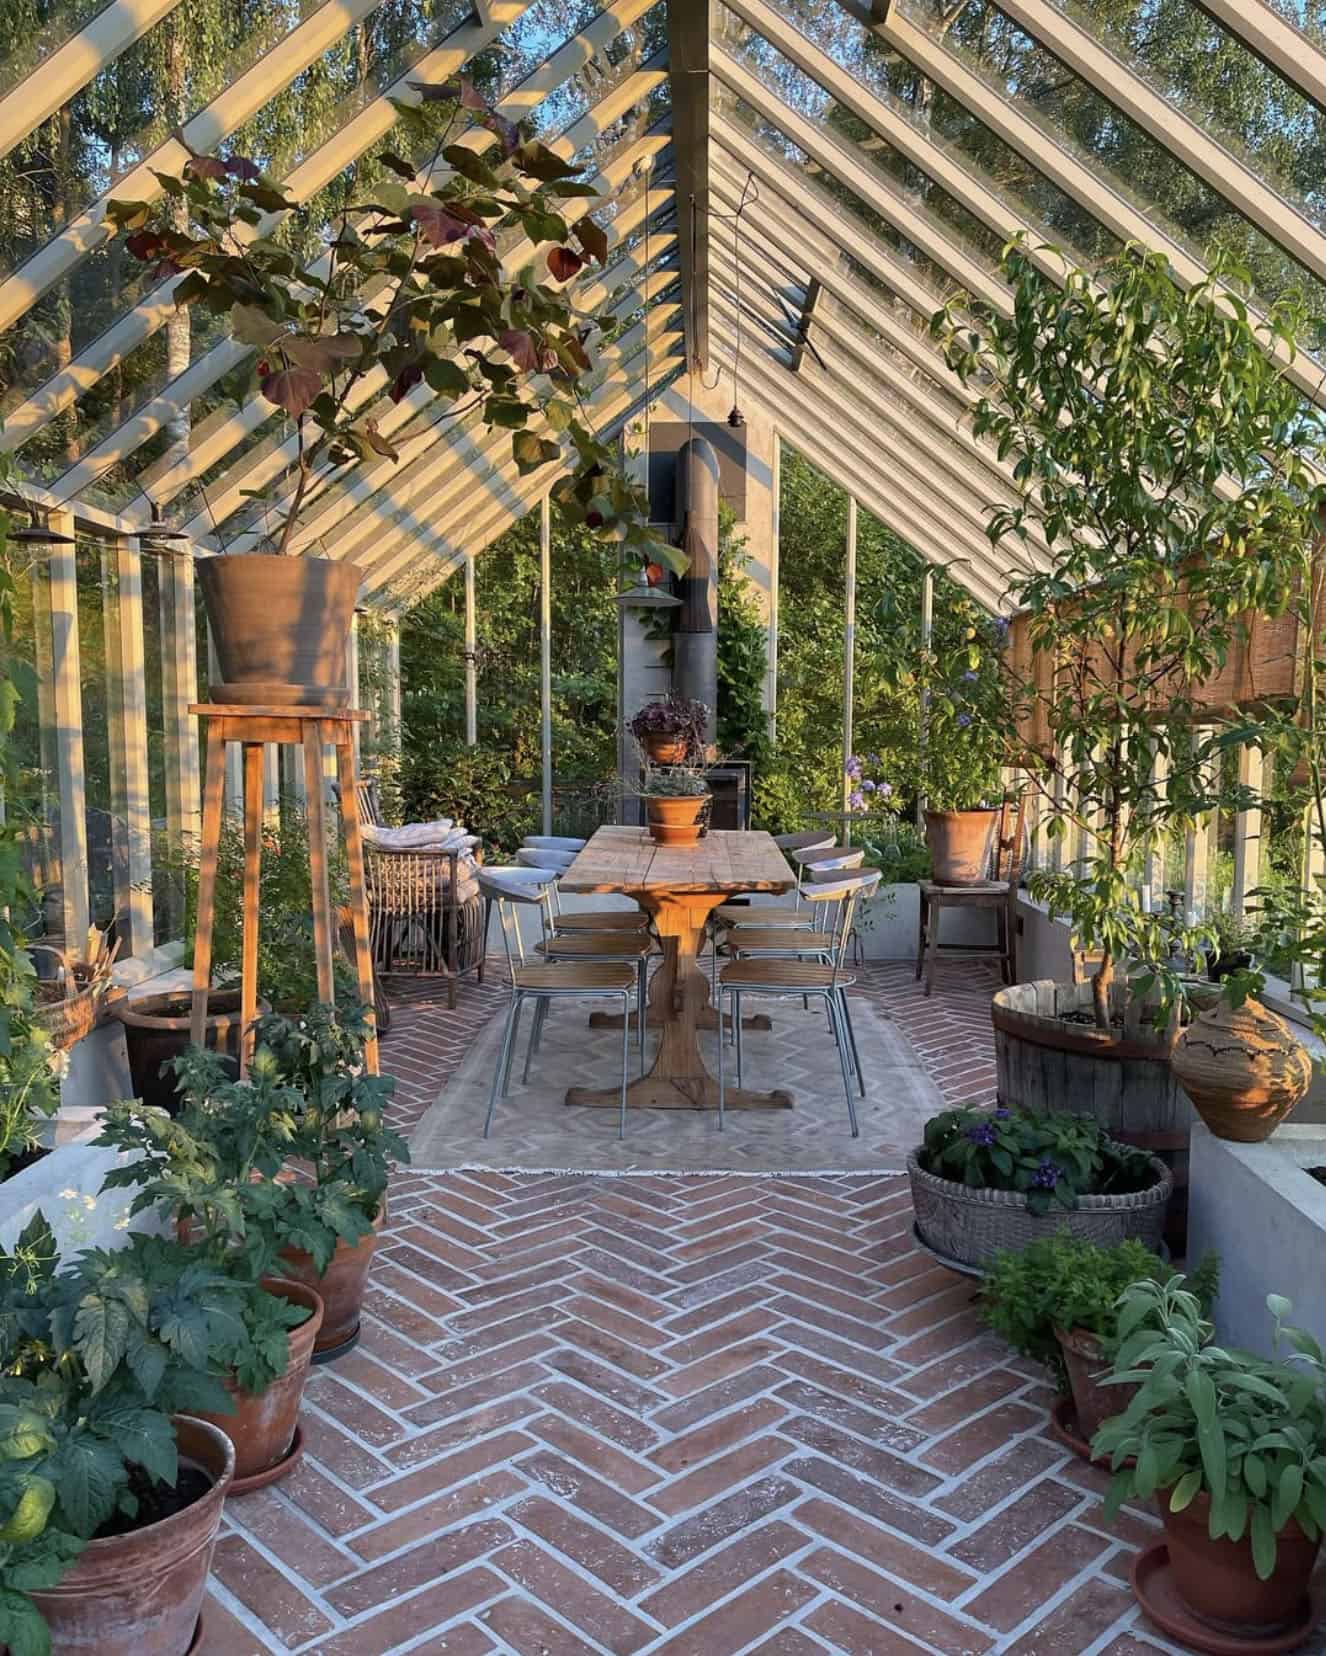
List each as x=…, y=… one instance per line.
x=678, y=996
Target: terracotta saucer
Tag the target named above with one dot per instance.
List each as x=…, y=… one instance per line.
x=331, y=1353
x=1153, y=1586
x=259, y=1480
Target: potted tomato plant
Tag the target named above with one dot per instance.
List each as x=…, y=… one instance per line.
x=410, y=296
x=292, y=1163
x=1232, y=1447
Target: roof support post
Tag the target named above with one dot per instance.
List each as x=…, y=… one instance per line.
x=179, y=687
x=1247, y=830
x=471, y=666
x=126, y=720
x=927, y=637
x=545, y=656
x=849, y=657
x=690, y=29
x=775, y=537
x=67, y=710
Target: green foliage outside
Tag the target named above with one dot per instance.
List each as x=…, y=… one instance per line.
x=804, y=774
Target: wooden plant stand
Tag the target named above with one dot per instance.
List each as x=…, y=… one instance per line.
x=309, y=728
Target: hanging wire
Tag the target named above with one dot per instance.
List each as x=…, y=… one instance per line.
x=750, y=194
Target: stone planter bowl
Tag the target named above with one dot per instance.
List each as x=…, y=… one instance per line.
x=971, y=1226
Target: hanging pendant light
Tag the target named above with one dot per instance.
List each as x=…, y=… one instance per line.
x=160, y=536
x=39, y=532
x=644, y=595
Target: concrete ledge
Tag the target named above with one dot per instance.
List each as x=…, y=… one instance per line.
x=66, y=1187
x=1255, y=1206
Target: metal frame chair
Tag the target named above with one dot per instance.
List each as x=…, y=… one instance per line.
x=553, y=980
x=784, y=977
x=998, y=894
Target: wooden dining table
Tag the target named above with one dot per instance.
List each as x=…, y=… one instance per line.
x=679, y=886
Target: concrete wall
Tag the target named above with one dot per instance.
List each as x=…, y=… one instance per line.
x=1255, y=1206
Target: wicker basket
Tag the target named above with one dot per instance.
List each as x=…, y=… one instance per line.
x=68, y=1020
x=971, y=1226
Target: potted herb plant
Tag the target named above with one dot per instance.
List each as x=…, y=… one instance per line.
x=677, y=802
x=1233, y=1449
x=404, y=296
x=110, y=1490
x=985, y=1180
x=1058, y=1301
x=1164, y=482
x=294, y=1160
x=671, y=730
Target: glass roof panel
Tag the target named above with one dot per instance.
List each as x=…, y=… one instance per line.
x=33, y=31
x=1141, y=171
x=939, y=119
x=99, y=411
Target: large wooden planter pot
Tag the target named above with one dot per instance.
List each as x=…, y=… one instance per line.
x=1123, y=1078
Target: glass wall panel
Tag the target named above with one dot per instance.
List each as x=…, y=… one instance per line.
x=36, y=800
x=94, y=598
x=30, y=32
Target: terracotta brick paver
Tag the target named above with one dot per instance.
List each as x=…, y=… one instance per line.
x=675, y=1416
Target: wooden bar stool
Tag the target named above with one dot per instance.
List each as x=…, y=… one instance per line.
x=998, y=895
x=310, y=729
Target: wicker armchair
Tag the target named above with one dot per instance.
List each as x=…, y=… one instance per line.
x=425, y=915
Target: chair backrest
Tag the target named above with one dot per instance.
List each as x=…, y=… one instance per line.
x=508, y=894
x=846, y=891
x=830, y=856
x=370, y=806
x=1010, y=847
x=821, y=838
x=536, y=856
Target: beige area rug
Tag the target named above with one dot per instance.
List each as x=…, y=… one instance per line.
x=535, y=1130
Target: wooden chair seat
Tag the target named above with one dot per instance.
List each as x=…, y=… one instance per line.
x=575, y=976
x=749, y=914
x=616, y=921
x=792, y=975
x=753, y=939
x=997, y=896
x=618, y=946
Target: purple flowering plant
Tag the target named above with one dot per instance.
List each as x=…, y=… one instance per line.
x=1053, y=1158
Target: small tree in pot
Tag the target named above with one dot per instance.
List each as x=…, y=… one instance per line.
x=405, y=299
x=1163, y=459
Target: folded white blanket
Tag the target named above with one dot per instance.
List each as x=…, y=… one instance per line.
x=442, y=835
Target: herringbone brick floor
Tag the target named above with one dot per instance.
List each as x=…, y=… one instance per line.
x=675, y=1415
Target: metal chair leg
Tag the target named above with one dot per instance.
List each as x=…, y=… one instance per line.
x=835, y=1012
x=626, y=1061
x=535, y=1036
x=642, y=996
x=851, y=1041
x=722, y=1066
x=736, y=1032
x=499, y=1070
x=511, y=1049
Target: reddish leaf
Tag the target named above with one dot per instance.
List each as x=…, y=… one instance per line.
x=592, y=238
x=438, y=225
x=166, y=269
x=564, y=263
x=292, y=389
x=145, y=244
x=405, y=381
x=456, y=90
x=205, y=166
x=506, y=132
x=521, y=347
x=239, y=166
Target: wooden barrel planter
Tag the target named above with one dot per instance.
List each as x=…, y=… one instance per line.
x=1050, y=1056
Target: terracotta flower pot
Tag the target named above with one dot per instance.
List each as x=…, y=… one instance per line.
x=262, y=1428
x=156, y=1029
x=961, y=845
x=341, y=1287
x=1217, y=1580
x=676, y=819
x=1093, y=1401
x=666, y=750
x=1242, y=1068
x=140, y=1594
x=282, y=628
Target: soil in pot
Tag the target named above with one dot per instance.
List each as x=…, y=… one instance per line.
x=341, y=1287
x=1242, y=1068
x=1217, y=1580
x=282, y=628
x=961, y=845
x=676, y=819
x=263, y=1426
x=1093, y=1401
x=139, y=1593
